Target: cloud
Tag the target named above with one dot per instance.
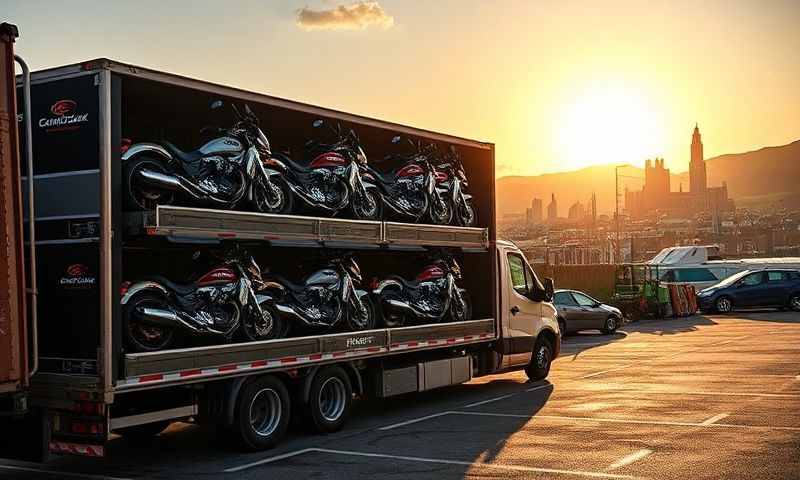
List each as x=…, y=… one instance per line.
x=356, y=16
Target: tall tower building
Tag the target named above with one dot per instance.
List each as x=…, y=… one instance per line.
x=552, y=209
x=697, y=166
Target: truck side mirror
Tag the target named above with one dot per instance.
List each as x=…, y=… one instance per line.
x=549, y=288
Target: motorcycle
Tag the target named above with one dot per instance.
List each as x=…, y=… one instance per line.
x=331, y=181
x=453, y=178
x=223, y=302
x=324, y=299
x=221, y=173
x=433, y=296
x=410, y=191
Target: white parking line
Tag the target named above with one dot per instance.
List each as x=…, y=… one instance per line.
x=441, y=461
x=484, y=402
x=59, y=474
x=714, y=419
x=628, y=459
x=410, y=422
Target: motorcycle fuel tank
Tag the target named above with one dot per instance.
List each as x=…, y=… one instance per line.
x=431, y=272
x=323, y=277
x=410, y=171
x=328, y=159
x=217, y=276
x=222, y=145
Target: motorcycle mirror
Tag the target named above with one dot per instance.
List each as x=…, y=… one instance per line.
x=216, y=104
x=396, y=139
x=317, y=123
x=196, y=255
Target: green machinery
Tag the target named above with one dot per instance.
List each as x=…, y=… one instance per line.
x=638, y=291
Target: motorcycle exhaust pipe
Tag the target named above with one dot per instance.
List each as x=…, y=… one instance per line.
x=164, y=318
x=406, y=308
x=169, y=182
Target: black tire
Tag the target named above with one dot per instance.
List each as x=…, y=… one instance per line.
x=276, y=197
x=723, y=305
x=262, y=413
x=539, y=366
x=562, y=327
x=611, y=324
x=279, y=326
x=143, y=433
x=329, y=400
x=137, y=196
x=360, y=212
x=458, y=314
x=467, y=215
x=794, y=302
x=141, y=337
x=356, y=324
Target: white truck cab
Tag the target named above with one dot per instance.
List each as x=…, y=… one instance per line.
x=529, y=327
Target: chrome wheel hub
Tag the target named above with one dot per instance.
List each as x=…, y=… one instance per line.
x=332, y=399
x=265, y=412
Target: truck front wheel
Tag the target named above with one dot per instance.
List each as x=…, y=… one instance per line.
x=539, y=366
x=262, y=413
x=329, y=400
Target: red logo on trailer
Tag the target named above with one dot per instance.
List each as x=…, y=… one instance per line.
x=63, y=107
x=77, y=270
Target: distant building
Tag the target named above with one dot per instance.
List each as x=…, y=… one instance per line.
x=576, y=211
x=657, y=195
x=552, y=208
x=533, y=215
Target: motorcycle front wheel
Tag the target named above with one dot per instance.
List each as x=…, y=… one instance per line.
x=467, y=216
x=272, y=197
x=361, y=318
x=369, y=208
x=440, y=213
x=139, y=195
x=141, y=336
x=271, y=327
x=461, y=311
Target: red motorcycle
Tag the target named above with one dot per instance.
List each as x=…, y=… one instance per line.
x=433, y=296
x=223, y=302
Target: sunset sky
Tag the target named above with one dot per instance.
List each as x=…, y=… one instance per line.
x=556, y=85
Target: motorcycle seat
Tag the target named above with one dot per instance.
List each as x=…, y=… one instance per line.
x=180, y=289
x=293, y=165
x=185, y=157
x=293, y=287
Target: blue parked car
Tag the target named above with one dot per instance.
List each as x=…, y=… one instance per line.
x=761, y=288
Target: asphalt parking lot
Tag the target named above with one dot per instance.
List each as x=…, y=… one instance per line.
x=700, y=397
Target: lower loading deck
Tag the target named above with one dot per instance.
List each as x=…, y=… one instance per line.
x=174, y=367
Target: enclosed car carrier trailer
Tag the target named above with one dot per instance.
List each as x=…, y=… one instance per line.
x=89, y=387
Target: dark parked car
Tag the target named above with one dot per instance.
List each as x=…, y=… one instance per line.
x=762, y=288
x=578, y=311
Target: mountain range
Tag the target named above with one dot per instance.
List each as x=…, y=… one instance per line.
x=755, y=179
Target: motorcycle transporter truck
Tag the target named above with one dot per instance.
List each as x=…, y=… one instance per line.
x=83, y=246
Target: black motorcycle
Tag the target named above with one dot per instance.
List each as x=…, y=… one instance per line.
x=433, y=296
x=325, y=299
x=223, y=302
x=455, y=182
x=221, y=173
x=410, y=191
x=330, y=180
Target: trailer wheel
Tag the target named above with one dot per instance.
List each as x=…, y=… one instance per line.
x=329, y=400
x=262, y=413
x=143, y=433
x=539, y=366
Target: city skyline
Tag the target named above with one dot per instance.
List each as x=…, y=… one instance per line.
x=553, y=95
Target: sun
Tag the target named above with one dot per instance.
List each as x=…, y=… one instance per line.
x=608, y=124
